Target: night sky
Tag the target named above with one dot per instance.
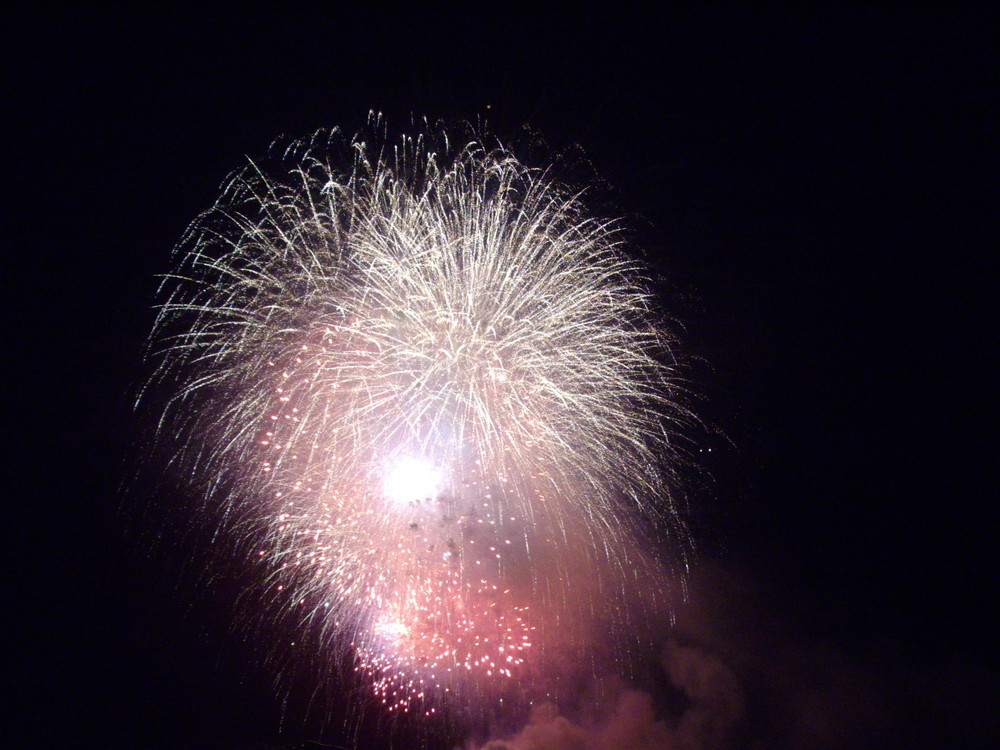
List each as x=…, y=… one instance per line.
x=813, y=193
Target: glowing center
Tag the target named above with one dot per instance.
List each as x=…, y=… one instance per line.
x=391, y=628
x=411, y=479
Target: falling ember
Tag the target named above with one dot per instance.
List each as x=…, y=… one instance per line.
x=438, y=399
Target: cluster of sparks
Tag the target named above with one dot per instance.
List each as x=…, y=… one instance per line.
x=431, y=391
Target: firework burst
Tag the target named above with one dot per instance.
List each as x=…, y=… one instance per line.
x=429, y=395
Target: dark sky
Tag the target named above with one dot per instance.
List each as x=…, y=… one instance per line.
x=814, y=189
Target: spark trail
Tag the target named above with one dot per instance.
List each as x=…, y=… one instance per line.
x=430, y=396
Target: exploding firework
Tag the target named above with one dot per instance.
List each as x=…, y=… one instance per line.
x=430, y=397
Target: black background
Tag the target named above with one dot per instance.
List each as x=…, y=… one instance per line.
x=815, y=189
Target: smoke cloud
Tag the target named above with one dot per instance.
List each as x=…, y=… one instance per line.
x=737, y=675
x=714, y=714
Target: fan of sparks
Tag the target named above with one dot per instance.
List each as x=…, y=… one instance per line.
x=429, y=395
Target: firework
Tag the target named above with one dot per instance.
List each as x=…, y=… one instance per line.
x=429, y=395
